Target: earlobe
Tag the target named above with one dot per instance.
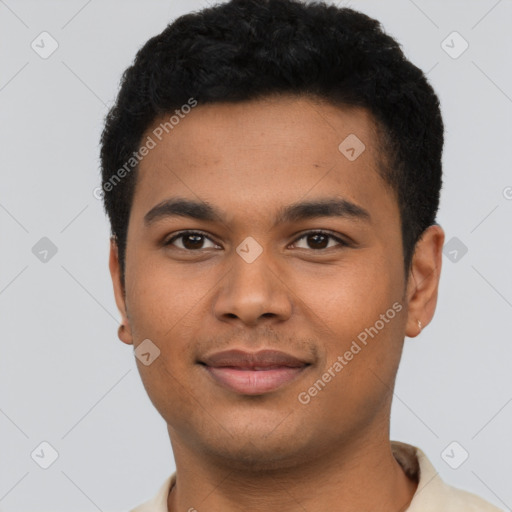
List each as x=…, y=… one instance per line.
x=124, y=334
x=124, y=330
x=423, y=285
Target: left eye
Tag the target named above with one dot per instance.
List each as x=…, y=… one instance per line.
x=319, y=240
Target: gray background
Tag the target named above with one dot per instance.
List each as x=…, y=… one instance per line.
x=66, y=379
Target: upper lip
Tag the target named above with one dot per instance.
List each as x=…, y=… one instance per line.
x=261, y=359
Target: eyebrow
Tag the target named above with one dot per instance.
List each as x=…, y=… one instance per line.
x=201, y=210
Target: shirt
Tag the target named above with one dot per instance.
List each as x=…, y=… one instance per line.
x=432, y=494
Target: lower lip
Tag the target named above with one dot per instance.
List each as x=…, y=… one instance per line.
x=254, y=382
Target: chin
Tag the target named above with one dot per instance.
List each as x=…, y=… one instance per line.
x=257, y=453
x=253, y=459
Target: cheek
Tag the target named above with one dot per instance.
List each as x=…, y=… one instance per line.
x=164, y=307
x=359, y=316
x=362, y=353
x=170, y=388
x=348, y=295
x=163, y=299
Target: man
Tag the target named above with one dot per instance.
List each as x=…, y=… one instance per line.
x=272, y=172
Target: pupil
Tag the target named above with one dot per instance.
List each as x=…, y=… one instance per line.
x=197, y=241
x=318, y=239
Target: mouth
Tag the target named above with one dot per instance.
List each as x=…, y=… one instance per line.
x=253, y=373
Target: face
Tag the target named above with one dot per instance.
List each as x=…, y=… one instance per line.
x=252, y=229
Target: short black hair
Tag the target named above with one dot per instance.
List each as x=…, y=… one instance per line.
x=250, y=49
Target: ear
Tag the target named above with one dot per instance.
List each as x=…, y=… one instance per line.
x=423, y=284
x=125, y=332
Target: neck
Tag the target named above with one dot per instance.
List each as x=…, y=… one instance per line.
x=361, y=475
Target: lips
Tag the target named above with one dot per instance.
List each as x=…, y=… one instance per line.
x=253, y=373
x=263, y=359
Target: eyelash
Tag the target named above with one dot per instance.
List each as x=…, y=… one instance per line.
x=181, y=234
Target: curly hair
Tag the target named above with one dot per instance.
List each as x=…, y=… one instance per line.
x=248, y=49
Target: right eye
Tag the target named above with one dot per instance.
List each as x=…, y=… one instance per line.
x=190, y=241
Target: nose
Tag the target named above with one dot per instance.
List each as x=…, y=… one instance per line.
x=253, y=292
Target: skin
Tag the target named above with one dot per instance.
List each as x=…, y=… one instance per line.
x=241, y=452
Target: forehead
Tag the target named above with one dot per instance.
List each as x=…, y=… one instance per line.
x=296, y=126
x=257, y=156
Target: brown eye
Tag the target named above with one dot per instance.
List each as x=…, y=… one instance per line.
x=319, y=240
x=190, y=241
